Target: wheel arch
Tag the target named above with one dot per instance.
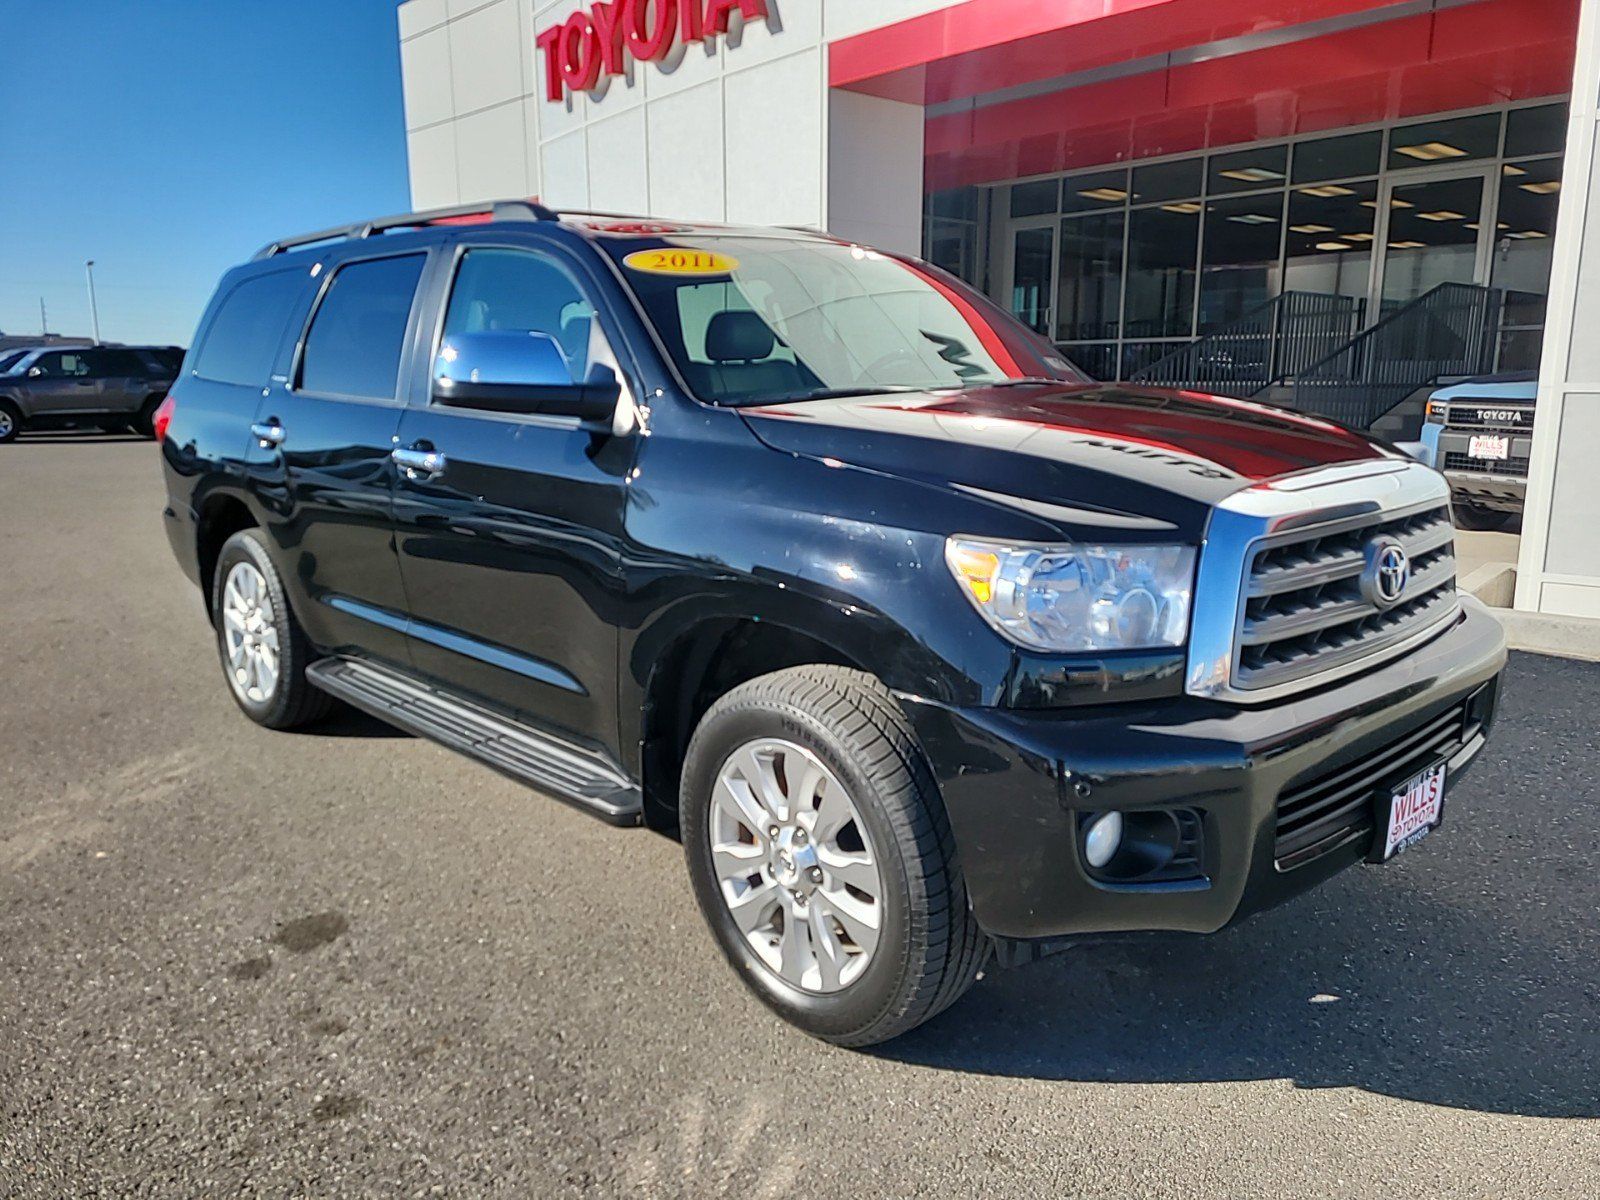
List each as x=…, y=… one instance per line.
x=702, y=663
x=218, y=517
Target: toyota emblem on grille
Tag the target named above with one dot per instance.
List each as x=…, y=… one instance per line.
x=1388, y=571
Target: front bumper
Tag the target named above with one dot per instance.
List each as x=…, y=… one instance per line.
x=1017, y=784
x=1503, y=493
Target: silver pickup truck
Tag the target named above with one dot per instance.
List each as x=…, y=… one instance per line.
x=1479, y=432
x=111, y=387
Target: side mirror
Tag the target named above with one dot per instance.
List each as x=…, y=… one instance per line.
x=511, y=371
x=35, y=372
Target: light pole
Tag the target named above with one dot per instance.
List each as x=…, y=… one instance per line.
x=94, y=308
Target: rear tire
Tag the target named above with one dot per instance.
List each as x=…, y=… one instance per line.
x=264, y=651
x=812, y=730
x=143, y=422
x=10, y=421
x=1482, y=520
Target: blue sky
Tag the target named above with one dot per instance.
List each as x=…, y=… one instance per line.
x=168, y=139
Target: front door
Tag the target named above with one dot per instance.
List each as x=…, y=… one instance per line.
x=1433, y=227
x=1032, y=275
x=511, y=550
x=63, y=381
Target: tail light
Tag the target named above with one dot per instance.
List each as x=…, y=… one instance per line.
x=163, y=416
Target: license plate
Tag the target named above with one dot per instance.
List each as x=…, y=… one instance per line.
x=1414, y=808
x=1489, y=446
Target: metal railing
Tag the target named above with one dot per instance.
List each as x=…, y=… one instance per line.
x=1261, y=347
x=1450, y=330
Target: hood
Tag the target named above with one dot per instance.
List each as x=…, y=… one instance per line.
x=1115, y=461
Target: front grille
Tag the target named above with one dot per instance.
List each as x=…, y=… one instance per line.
x=1304, y=611
x=1336, y=807
x=1485, y=417
x=1454, y=460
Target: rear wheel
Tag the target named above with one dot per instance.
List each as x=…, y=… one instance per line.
x=822, y=858
x=144, y=421
x=10, y=421
x=264, y=651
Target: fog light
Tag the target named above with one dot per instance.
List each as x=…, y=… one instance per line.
x=1104, y=837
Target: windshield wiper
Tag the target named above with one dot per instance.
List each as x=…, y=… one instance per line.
x=830, y=394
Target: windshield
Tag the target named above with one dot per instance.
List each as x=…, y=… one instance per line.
x=758, y=320
x=7, y=361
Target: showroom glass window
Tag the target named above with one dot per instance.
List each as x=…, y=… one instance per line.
x=1149, y=257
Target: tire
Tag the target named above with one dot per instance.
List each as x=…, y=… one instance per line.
x=291, y=700
x=11, y=422
x=143, y=422
x=1482, y=520
x=929, y=948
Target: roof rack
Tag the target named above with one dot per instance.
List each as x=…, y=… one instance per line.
x=498, y=210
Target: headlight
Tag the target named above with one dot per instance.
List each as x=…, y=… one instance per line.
x=1437, y=411
x=1066, y=598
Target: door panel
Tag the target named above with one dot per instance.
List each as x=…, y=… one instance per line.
x=329, y=481
x=511, y=562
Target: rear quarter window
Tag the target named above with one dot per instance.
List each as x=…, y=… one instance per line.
x=245, y=335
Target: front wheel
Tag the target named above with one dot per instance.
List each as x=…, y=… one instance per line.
x=10, y=421
x=822, y=858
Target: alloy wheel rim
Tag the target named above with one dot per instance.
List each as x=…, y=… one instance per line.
x=795, y=865
x=250, y=634
x=5, y=423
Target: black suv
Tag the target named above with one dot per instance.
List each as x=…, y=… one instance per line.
x=927, y=647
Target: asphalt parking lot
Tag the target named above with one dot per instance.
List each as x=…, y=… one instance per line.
x=348, y=962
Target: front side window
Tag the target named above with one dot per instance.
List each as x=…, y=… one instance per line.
x=518, y=291
x=793, y=318
x=61, y=365
x=356, y=338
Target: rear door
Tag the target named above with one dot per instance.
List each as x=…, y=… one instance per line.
x=123, y=385
x=320, y=455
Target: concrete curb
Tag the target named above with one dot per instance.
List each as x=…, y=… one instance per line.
x=1538, y=633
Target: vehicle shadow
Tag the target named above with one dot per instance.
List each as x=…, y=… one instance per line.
x=1464, y=975
x=69, y=437
x=347, y=722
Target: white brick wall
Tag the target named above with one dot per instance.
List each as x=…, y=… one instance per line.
x=740, y=129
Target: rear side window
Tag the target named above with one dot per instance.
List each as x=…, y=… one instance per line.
x=356, y=338
x=245, y=335
x=120, y=362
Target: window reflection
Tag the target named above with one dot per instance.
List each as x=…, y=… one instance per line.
x=1240, y=258
x=1090, y=292
x=1161, y=270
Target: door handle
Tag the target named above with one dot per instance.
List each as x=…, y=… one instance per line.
x=418, y=464
x=268, y=433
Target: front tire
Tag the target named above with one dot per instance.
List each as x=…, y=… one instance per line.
x=264, y=651
x=822, y=858
x=10, y=422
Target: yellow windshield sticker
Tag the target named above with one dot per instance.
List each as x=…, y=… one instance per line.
x=674, y=260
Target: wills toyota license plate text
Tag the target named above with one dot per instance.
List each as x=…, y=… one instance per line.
x=1414, y=809
x=1489, y=446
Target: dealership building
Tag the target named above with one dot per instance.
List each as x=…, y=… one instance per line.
x=1330, y=204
